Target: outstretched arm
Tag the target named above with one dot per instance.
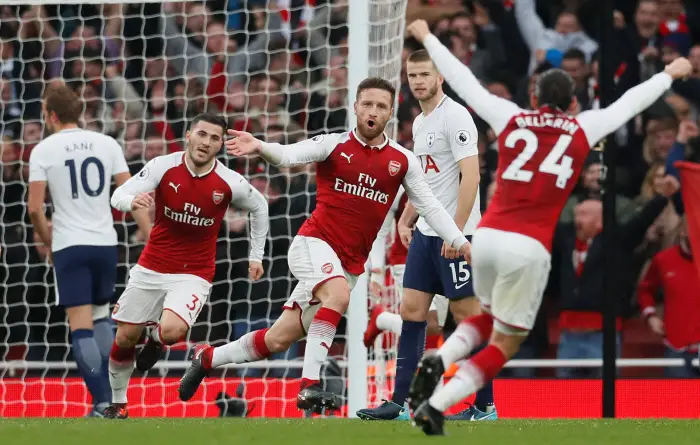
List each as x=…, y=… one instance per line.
x=429, y=207
x=493, y=109
x=597, y=124
x=316, y=149
x=244, y=196
x=530, y=24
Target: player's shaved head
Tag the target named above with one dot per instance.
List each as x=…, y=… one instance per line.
x=420, y=55
x=62, y=102
x=555, y=88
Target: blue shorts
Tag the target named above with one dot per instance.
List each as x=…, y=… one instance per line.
x=85, y=275
x=428, y=271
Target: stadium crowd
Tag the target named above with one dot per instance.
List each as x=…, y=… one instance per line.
x=279, y=69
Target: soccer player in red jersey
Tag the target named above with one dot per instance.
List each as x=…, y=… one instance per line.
x=359, y=174
x=172, y=280
x=541, y=153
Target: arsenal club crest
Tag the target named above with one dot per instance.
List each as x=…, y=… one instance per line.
x=394, y=167
x=430, y=139
x=217, y=196
x=327, y=268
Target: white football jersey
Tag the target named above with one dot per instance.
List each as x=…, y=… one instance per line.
x=440, y=140
x=78, y=166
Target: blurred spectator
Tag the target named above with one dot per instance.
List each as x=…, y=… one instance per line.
x=672, y=271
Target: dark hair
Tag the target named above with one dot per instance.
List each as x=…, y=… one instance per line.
x=420, y=55
x=574, y=53
x=63, y=101
x=555, y=88
x=211, y=119
x=379, y=84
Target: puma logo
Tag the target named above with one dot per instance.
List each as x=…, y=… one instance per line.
x=175, y=187
x=346, y=156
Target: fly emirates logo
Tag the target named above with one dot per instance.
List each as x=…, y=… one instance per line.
x=189, y=216
x=362, y=189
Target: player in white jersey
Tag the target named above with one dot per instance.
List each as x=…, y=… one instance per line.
x=78, y=166
x=445, y=142
x=541, y=154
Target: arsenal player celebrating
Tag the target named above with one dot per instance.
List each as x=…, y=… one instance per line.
x=174, y=273
x=359, y=174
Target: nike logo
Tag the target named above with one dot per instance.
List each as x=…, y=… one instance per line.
x=175, y=187
x=346, y=156
x=459, y=286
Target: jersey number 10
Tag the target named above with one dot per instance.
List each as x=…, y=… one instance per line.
x=70, y=163
x=556, y=163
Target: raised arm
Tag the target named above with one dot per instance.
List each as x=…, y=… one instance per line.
x=316, y=149
x=530, y=24
x=125, y=196
x=429, y=207
x=244, y=196
x=597, y=124
x=493, y=109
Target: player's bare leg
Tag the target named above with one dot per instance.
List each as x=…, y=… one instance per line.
x=121, y=365
x=334, y=296
x=483, y=407
x=251, y=347
x=90, y=350
x=171, y=329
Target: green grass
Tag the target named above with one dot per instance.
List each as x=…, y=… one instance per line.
x=342, y=432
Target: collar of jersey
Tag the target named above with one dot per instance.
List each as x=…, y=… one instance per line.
x=378, y=147
x=195, y=175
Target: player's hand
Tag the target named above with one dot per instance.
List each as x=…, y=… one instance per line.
x=449, y=252
x=418, y=29
x=142, y=201
x=679, y=68
x=255, y=270
x=242, y=143
x=656, y=324
x=670, y=186
x=466, y=251
x=687, y=130
x=405, y=233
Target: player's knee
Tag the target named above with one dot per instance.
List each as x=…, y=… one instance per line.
x=127, y=335
x=507, y=338
x=171, y=333
x=334, y=294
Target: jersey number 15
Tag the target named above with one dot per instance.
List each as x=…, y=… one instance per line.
x=556, y=163
x=70, y=163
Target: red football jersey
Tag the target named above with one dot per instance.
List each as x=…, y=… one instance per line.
x=540, y=157
x=356, y=186
x=189, y=209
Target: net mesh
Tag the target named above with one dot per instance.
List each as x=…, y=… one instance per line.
x=277, y=69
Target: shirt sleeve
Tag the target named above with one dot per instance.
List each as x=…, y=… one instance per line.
x=118, y=159
x=462, y=133
x=246, y=197
x=38, y=164
x=144, y=181
x=597, y=124
x=647, y=288
x=316, y=149
x=493, y=109
x=428, y=206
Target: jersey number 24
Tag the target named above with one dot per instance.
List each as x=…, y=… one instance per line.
x=556, y=163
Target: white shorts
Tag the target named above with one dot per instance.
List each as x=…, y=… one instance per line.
x=440, y=303
x=313, y=262
x=510, y=275
x=149, y=293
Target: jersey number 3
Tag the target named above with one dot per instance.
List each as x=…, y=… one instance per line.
x=556, y=163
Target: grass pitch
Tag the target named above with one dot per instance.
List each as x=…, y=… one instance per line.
x=342, y=432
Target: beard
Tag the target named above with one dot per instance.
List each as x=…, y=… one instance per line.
x=430, y=93
x=197, y=158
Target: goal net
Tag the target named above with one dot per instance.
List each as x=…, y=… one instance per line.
x=278, y=69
